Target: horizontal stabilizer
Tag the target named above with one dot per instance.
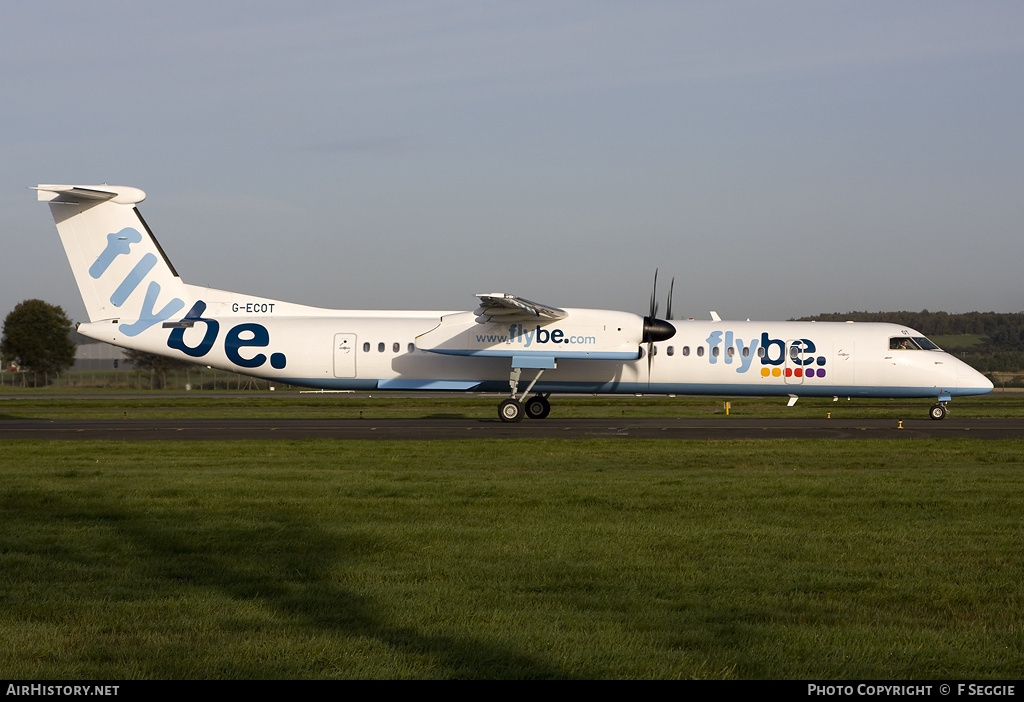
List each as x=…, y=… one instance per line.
x=119, y=194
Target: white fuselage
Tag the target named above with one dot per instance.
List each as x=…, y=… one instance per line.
x=370, y=350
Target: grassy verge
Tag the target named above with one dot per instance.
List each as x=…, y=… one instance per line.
x=155, y=405
x=534, y=558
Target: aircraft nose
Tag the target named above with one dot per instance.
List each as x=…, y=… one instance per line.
x=970, y=380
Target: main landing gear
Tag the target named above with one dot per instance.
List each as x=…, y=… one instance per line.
x=538, y=407
x=938, y=411
x=513, y=409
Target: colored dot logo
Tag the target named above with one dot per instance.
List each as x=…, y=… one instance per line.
x=799, y=372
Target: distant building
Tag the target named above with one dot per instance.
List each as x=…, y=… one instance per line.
x=94, y=355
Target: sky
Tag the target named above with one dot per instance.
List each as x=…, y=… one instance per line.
x=777, y=159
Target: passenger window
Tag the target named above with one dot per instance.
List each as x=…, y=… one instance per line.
x=396, y=347
x=714, y=352
x=746, y=351
x=730, y=352
x=366, y=346
x=412, y=347
x=700, y=350
x=686, y=350
x=380, y=347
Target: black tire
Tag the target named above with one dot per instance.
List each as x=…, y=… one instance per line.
x=937, y=412
x=511, y=411
x=538, y=407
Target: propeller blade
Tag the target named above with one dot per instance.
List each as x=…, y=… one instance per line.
x=654, y=295
x=654, y=316
x=671, y=286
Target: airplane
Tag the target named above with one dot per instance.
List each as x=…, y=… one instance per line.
x=509, y=345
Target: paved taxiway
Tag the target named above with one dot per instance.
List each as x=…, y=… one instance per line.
x=460, y=428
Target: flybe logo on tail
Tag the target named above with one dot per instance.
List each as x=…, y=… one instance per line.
x=120, y=244
x=775, y=357
x=239, y=338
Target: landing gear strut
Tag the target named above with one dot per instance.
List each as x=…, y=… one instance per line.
x=513, y=409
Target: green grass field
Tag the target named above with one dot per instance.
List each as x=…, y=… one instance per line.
x=528, y=558
x=958, y=342
x=50, y=404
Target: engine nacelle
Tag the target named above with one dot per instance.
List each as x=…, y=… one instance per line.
x=582, y=333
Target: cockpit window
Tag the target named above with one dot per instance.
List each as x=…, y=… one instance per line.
x=913, y=343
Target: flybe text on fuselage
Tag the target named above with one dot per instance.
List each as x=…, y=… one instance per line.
x=248, y=335
x=798, y=354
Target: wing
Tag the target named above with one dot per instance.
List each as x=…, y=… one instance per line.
x=496, y=307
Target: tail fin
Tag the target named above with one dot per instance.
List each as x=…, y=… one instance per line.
x=113, y=254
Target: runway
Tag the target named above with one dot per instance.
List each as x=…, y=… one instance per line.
x=461, y=428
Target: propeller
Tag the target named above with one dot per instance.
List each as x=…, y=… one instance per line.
x=657, y=329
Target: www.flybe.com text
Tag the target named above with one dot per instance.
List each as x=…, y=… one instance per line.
x=518, y=335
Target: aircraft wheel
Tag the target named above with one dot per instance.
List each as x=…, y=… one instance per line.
x=511, y=410
x=937, y=412
x=538, y=407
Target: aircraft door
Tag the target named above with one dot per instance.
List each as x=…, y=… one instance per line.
x=344, y=355
x=842, y=370
x=796, y=357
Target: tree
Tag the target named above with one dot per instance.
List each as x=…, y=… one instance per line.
x=158, y=364
x=37, y=336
